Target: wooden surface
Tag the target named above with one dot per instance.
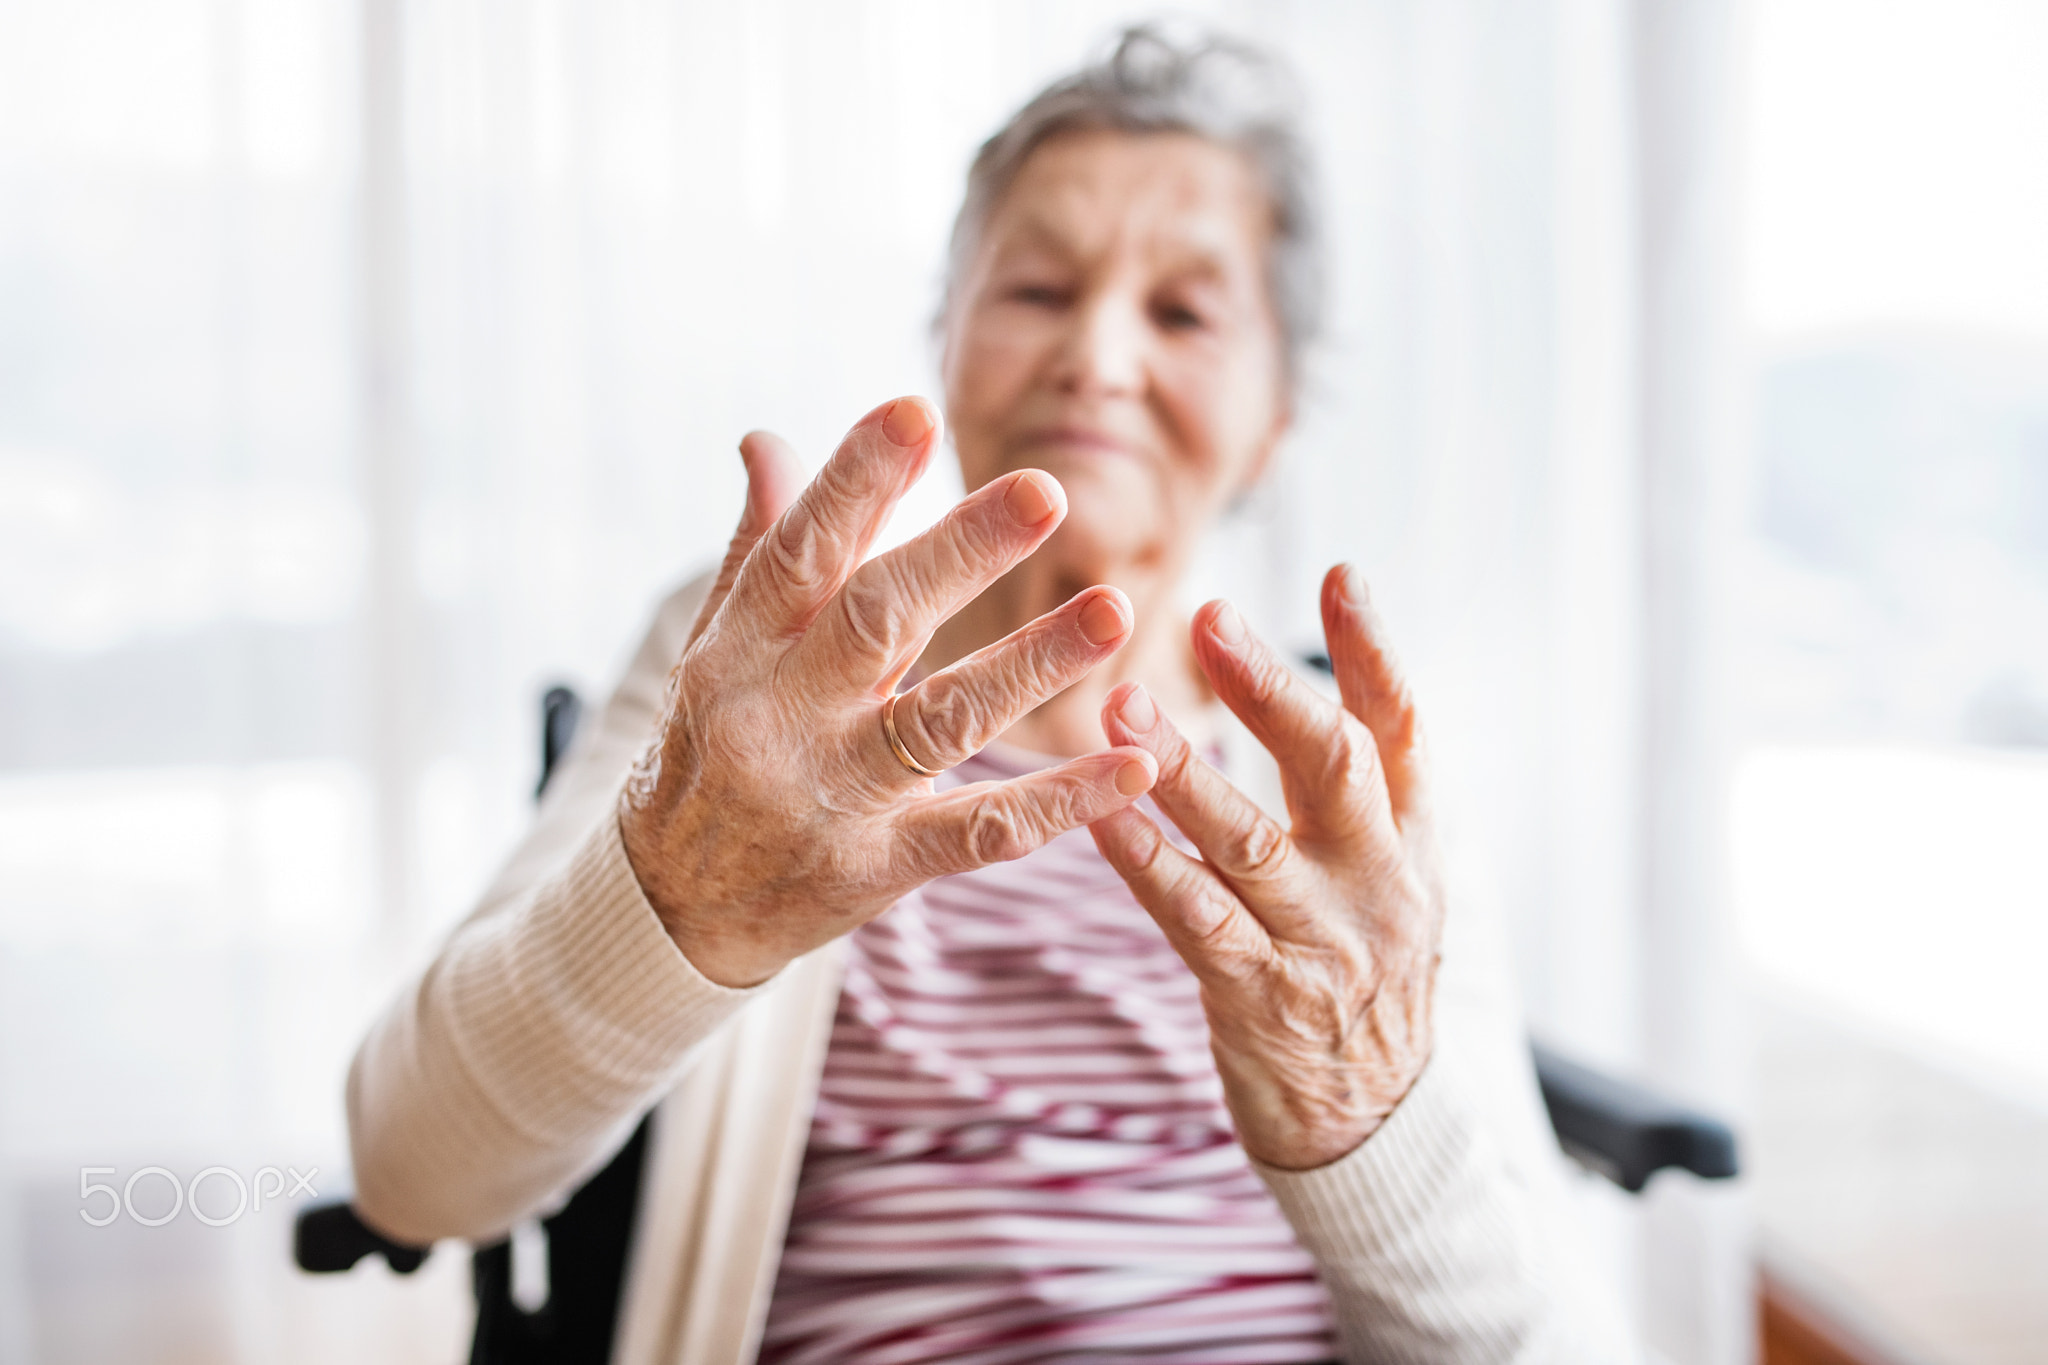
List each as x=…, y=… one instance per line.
x=1796, y=1328
x=1912, y=1199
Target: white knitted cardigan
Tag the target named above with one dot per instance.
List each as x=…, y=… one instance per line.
x=513, y=1067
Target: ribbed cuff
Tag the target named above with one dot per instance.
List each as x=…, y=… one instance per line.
x=586, y=1005
x=1386, y=1189
x=611, y=960
x=531, y=1040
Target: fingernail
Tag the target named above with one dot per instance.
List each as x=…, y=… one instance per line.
x=907, y=422
x=1227, y=626
x=1133, y=778
x=1138, y=712
x=1354, y=585
x=1102, y=620
x=1029, y=501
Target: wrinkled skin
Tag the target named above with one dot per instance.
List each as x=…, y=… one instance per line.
x=1316, y=944
x=1113, y=330
x=769, y=816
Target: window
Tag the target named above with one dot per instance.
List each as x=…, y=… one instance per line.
x=1891, y=804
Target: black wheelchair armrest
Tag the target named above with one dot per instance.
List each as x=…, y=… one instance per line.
x=329, y=1238
x=1626, y=1132
x=561, y=710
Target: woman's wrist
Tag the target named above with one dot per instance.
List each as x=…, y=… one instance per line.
x=722, y=958
x=1299, y=1118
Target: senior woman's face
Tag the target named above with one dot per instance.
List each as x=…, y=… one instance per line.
x=1114, y=329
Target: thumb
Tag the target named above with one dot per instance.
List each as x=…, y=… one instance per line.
x=774, y=478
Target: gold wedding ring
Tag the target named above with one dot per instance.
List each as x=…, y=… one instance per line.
x=896, y=740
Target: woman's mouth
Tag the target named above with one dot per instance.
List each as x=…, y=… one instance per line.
x=1077, y=439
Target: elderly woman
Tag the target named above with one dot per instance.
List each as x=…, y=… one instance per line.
x=988, y=1018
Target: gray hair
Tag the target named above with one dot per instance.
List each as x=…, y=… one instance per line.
x=1217, y=88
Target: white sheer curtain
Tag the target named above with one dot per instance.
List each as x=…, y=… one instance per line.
x=367, y=367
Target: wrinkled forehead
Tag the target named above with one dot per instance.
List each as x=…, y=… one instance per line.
x=1169, y=200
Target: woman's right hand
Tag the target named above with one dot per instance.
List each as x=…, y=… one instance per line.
x=769, y=815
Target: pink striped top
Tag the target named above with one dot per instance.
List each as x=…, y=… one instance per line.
x=1020, y=1151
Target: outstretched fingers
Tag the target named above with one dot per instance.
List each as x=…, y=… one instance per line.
x=1204, y=921
x=802, y=560
x=879, y=623
x=774, y=478
x=1328, y=764
x=1374, y=688
x=996, y=822
x=954, y=713
x=1241, y=842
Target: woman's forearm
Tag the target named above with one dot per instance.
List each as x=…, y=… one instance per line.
x=511, y=1069
x=552, y=1016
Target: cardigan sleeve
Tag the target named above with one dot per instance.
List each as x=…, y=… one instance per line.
x=514, y=1064
x=1435, y=1248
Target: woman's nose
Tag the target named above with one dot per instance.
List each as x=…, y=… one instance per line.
x=1103, y=349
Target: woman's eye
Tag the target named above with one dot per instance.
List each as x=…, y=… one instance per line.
x=1038, y=295
x=1178, y=317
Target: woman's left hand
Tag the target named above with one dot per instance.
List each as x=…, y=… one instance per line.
x=1316, y=946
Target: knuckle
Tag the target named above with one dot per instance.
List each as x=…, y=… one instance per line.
x=1211, y=932
x=854, y=474
x=997, y=833
x=1351, y=760
x=947, y=715
x=1057, y=654
x=868, y=605
x=970, y=539
x=1221, y=943
x=1176, y=762
x=1141, y=857
x=1021, y=678
x=1266, y=680
x=1258, y=847
x=796, y=549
